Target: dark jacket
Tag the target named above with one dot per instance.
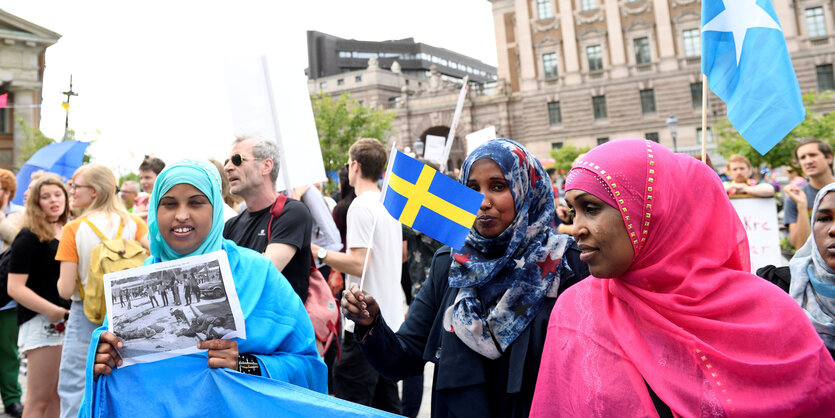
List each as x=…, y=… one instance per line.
x=461, y=386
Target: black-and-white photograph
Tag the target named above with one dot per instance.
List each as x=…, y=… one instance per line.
x=165, y=309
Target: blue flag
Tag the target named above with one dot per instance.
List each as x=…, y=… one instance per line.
x=425, y=200
x=747, y=64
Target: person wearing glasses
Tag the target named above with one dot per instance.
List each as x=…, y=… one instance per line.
x=92, y=189
x=253, y=169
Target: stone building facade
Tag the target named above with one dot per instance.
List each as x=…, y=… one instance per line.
x=22, y=62
x=584, y=72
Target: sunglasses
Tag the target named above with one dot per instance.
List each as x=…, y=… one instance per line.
x=237, y=160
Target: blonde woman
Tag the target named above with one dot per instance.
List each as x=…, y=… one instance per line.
x=41, y=312
x=93, y=191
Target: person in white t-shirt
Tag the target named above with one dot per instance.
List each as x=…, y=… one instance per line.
x=353, y=378
x=93, y=189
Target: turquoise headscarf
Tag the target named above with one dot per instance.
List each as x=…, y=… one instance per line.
x=203, y=176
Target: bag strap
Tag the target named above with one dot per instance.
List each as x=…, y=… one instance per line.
x=98, y=232
x=275, y=212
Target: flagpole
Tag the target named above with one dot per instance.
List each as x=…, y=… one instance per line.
x=374, y=225
x=451, y=136
x=704, y=117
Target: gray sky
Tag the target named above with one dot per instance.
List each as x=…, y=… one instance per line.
x=149, y=74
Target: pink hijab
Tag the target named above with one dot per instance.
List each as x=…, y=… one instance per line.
x=709, y=338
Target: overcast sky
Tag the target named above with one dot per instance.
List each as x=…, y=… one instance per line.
x=149, y=74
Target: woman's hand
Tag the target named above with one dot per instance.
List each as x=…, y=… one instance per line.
x=57, y=313
x=359, y=306
x=222, y=353
x=107, y=358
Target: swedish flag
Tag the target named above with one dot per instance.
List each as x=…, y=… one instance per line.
x=430, y=202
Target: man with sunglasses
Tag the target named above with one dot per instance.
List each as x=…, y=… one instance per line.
x=252, y=168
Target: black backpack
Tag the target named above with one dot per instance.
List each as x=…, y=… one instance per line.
x=5, y=262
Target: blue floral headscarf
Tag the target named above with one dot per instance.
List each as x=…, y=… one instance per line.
x=813, y=281
x=203, y=176
x=513, y=272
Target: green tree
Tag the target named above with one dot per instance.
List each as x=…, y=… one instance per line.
x=815, y=125
x=565, y=156
x=129, y=176
x=342, y=121
x=33, y=140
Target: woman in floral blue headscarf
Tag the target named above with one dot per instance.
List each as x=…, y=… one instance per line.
x=482, y=314
x=186, y=219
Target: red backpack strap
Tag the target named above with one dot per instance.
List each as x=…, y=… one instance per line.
x=275, y=212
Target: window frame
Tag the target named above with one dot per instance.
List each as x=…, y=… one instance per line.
x=554, y=107
x=600, y=110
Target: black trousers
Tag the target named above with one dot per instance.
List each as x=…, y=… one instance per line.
x=356, y=381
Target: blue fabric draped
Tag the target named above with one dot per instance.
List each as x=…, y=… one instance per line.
x=278, y=331
x=513, y=272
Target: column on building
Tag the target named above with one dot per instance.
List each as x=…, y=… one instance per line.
x=25, y=96
x=616, y=46
x=527, y=64
x=666, y=41
x=569, y=43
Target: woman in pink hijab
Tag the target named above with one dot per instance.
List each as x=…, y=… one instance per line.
x=672, y=323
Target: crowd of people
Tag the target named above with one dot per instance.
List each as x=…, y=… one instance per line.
x=625, y=301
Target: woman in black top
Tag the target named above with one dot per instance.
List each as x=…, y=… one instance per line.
x=33, y=275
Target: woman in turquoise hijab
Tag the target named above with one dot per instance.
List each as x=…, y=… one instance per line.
x=186, y=219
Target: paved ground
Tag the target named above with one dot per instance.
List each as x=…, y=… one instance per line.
x=424, y=406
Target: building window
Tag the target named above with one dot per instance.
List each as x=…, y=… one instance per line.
x=647, y=101
x=601, y=141
x=549, y=63
x=826, y=81
x=358, y=79
x=556, y=145
x=554, y=113
x=692, y=43
x=815, y=22
x=708, y=136
x=360, y=102
x=598, y=103
x=341, y=82
x=652, y=136
x=595, y=55
x=641, y=51
x=696, y=95
x=543, y=8
x=323, y=85
x=587, y=5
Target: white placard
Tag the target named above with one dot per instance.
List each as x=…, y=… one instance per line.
x=275, y=104
x=175, y=323
x=475, y=139
x=434, y=148
x=759, y=217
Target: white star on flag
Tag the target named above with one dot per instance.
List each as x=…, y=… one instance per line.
x=520, y=263
x=738, y=16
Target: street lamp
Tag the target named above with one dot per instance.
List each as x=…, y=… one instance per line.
x=672, y=125
x=418, y=147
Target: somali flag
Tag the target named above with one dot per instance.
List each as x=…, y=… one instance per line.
x=428, y=201
x=747, y=64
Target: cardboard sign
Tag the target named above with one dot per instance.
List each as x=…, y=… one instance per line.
x=273, y=105
x=434, y=148
x=759, y=217
x=475, y=139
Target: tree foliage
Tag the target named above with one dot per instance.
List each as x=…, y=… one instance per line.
x=564, y=157
x=340, y=122
x=33, y=140
x=815, y=125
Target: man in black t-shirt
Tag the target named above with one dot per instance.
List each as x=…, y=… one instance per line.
x=253, y=169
